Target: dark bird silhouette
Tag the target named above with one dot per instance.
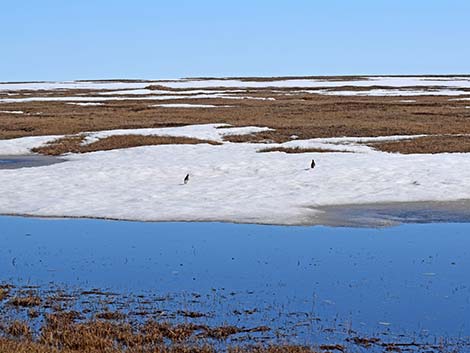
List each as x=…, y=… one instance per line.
x=186, y=179
x=312, y=165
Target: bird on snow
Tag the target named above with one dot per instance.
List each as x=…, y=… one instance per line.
x=186, y=179
x=312, y=165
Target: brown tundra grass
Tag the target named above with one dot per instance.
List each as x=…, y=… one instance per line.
x=25, y=302
x=74, y=144
x=428, y=144
x=3, y=293
x=291, y=113
x=61, y=333
x=18, y=329
x=297, y=150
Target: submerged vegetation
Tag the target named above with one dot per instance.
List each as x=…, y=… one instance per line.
x=93, y=321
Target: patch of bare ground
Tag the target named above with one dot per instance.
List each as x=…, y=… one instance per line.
x=293, y=112
x=428, y=144
x=74, y=144
x=296, y=150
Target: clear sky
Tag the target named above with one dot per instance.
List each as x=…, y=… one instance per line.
x=90, y=39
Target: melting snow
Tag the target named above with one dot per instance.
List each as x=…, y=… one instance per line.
x=85, y=104
x=229, y=182
x=441, y=86
x=102, y=99
x=365, y=82
x=392, y=92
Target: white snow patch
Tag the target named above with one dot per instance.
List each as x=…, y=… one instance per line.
x=344, y=144
x=188, y=105
x=134, y=91
x=103, y=99
x=455, y=82
x=23, y=145
x=213, y=132
x=12, y=111
x=229, y=182
x=392, y=92
x=125, y=86
x=86, y=104
x=110, y=85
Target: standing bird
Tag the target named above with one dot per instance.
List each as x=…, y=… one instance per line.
x=186, y=179
x=312, y=165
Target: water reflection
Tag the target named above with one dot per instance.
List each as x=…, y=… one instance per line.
x=411, y=278
x=16, y=162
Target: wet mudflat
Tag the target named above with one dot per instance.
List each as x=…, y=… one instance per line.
x=307, y=285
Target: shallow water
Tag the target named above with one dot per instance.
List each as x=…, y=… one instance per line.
x=29, y=161
x=411, y=279
x=393, y=213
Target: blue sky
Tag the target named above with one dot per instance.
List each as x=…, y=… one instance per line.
x=90, y=39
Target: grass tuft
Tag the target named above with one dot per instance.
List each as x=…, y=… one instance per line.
x=25, y=302
x=297, y=150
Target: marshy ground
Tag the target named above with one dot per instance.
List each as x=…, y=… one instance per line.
x=64, y=320
x=169, y=286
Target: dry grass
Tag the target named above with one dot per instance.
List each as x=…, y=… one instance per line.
x=260, y=137
x=25, y=302
x=74, y=144
x=18, y=329
x=4, y=293
x=428, y=144
x=60, y=333
x=316, y=116
x=10, y=346
x=296, y=150
x=110, y=315
x=60, y=146
x=273, y=349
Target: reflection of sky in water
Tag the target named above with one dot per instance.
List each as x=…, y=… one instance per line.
x=414, y=277
x=15, y=162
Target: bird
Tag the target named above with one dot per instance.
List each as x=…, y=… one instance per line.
x=312, y=165
x=186, y=179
